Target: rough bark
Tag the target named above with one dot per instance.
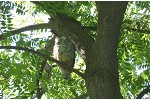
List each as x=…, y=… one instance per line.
x=102, y=78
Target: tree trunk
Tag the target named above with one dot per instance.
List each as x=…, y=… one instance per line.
x=100, y=56
x=102, y=77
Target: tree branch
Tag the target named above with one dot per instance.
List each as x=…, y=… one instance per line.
x=23, y=29
x=94, y=28
x=145, y=91
x=46, y=57
x=51, y=25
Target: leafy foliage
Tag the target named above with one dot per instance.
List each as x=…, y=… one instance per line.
x=133, y=51
x=6, y=16
x=19, y=69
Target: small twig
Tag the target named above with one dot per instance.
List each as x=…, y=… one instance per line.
x=38, y=88
x=42, y=68
x=39, y=91
x=145, y=91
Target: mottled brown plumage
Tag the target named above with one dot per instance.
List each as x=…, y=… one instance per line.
x=64, y=51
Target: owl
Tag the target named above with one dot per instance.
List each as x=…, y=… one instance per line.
x=64, y=51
